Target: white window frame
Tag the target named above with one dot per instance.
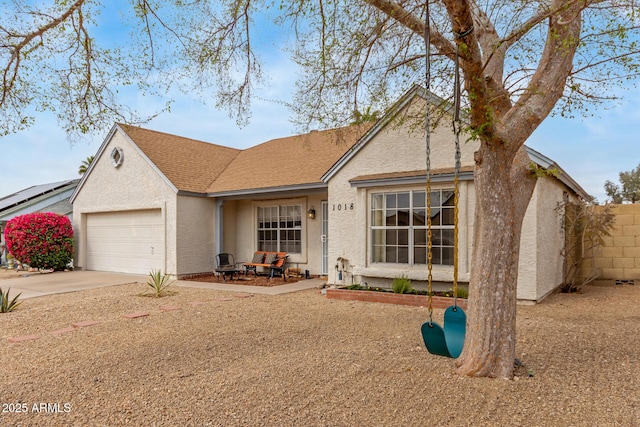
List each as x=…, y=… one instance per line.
x=442, y=233
x=297, y=225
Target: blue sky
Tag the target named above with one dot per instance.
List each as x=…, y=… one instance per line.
x=591, y=150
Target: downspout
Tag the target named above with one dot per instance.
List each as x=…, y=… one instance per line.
x=219, y=227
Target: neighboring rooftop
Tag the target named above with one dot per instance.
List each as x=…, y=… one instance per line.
x=33, y=192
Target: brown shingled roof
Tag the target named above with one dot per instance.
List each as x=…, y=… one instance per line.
x=189, y=164
x=294, y=160
x=202, y=167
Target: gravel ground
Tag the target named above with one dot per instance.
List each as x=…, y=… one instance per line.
x=303, y=360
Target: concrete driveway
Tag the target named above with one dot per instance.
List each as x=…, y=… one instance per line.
x=37, y=284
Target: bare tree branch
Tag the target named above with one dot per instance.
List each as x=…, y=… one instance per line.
x=396, y=11
x=548, y=82
x=11, y=70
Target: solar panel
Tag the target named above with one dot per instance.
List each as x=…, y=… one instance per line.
x=30, y=193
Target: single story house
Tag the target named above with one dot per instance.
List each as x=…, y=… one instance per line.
x=344, y=203
x=52, y=197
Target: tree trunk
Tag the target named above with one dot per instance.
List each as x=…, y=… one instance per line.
x=504, y=185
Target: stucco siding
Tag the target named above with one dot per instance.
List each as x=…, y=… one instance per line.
x=240, y=225
x=394, y=150
x=238, y=236
x=195, y=235
x=540, y=266
x=314, y=235
x=550, y=236
x=528, y=258
x=391, y=150
x=134, y=185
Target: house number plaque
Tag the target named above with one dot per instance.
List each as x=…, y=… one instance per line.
x=343, y=207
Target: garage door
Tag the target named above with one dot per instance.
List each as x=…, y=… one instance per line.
x=125, y=242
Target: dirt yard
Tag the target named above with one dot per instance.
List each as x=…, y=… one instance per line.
x=211, y=358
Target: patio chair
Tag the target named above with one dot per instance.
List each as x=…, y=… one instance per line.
x=226, y=266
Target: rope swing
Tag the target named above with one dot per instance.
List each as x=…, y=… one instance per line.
x=446, y=340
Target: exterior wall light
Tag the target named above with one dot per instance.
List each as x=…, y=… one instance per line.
x=311, y=213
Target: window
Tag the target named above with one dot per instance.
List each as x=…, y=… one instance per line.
x=280, y=229
x=399, y=227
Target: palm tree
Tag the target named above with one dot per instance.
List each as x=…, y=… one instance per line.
x=85, y=165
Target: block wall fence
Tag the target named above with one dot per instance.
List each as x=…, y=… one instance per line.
x=619, y=258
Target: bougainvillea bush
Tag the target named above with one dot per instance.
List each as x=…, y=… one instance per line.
x=40, y=239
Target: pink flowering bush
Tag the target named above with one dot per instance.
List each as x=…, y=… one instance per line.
x=40, y=239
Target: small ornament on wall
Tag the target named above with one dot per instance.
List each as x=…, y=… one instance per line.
x=117, y=157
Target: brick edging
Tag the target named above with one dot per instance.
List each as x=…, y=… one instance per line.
x=391, y=298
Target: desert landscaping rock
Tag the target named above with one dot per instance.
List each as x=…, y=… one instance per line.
x=23, y=338
x=169, y=308
x=63, y=331
x=301, y=359
x=85, y=324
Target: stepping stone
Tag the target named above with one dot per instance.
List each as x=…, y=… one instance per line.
x=170, y=308
x=136, y=315
x=24, y=338
x=63, y=331
x=85, y=323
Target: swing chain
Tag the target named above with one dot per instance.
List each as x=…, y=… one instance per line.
x=456, y=190
x=427, y=43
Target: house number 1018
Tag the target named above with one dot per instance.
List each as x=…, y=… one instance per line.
x=343, y=207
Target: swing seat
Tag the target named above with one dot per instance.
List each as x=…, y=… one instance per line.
x=446, y=341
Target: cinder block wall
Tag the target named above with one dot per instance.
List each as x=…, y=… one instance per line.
x=619, y=257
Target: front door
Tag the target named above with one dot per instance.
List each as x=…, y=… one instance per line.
x=325, y=238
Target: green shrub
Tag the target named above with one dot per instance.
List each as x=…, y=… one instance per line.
x=40, y=240
x=159, y=283
x=7, y=305
x=463, y=293
x=401, y=285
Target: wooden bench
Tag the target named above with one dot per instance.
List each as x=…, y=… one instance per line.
x=274, y=261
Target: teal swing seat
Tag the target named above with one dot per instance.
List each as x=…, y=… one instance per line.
x=446, y=341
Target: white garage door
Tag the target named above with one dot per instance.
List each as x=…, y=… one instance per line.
x=125, y=242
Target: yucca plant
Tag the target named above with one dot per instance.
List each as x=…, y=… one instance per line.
x=159, y=283
x=7, y=305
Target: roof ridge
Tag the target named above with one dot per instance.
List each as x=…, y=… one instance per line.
x=226, y=166
x=300, y=135
x=173, y=135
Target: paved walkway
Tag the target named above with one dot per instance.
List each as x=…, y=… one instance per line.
x=37, y=284
x=264, y=290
